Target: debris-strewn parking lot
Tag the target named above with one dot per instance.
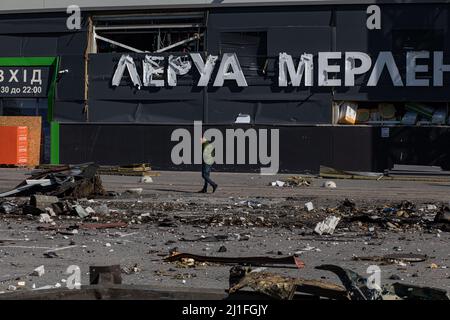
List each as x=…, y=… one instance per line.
x=165, y=234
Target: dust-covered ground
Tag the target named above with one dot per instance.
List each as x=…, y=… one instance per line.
x=250, y=218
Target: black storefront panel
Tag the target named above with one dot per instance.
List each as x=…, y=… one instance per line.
x=70, y=83
x=69, y=111
x=302, y=149
x=141, y=111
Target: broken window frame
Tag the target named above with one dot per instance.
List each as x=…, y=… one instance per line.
x=105, y=27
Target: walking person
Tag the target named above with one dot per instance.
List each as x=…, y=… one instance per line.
x=207, y=162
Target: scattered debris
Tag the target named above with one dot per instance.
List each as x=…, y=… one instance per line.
x=146, y=179
x=66, y=181
x=298, y=181
x=327, y=226
x=8, y=207
x=294, y=181
x=251, y=203
x=329, y=184
x=131, y=269
x=45, y=218
x=42, y=202
x=443, y=216
x=81, y=212
x=395, y=258
x=51, y=254
x=213, y=238
x=282, y=287
x=112, y=225
x=39, y=271
x=356, y=285
x=135, y=191
x=277, y=183
x=309, y=206
x=233, y=260
x=411, y=292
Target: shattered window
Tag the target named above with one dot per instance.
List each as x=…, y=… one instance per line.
x=156, y=32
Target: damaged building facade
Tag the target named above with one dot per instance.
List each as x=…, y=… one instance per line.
x=340, y=93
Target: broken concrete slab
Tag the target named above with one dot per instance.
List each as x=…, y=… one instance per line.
x=327, y=226
x=80, y=211
x=42, y=201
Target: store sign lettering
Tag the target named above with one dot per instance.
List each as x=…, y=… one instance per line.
x=23, y=81
x=329, y=71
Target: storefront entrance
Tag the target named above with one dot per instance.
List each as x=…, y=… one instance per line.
x=27, y=89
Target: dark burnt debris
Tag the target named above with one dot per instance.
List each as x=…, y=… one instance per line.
x=62, y=182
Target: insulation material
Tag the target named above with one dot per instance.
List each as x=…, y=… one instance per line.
x=387, y=110
x=180, y=65
x=204, y=68
x=347, y=113
x=14, y=145
x=126, y=62
x=153, y=71
x=230, y=61
x=34, y=125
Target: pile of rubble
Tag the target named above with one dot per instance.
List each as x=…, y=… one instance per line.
x=66, y=181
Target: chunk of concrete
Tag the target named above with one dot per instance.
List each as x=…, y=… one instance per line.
x=80, y=211
x=327, y=226
x=39, y=271
x=309, y=206
x=42, y=202
x=45, y=218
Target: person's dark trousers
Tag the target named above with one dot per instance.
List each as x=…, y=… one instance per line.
x=206, y=170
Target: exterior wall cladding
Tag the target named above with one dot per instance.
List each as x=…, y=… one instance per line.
x=124, y=125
